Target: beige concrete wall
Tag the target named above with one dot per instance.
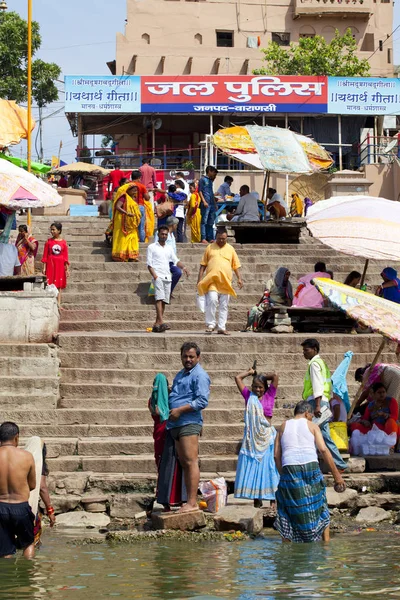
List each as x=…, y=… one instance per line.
x=182, y=29
x=385, y=180
x=28, y=316
x=69, y=196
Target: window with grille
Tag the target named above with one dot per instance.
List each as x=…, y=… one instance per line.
x=282, y=39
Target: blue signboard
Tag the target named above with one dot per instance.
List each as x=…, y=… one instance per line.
x=102, y=94
x=363, y=96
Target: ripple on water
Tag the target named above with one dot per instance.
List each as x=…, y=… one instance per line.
x=350, y=567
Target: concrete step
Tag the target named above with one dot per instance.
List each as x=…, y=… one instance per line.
x=211, y=432
x=18, y=400
x=130, y=416
x=145, y=377
x=138, y=313
x=16, y=366
x=250, y=278
x=132, y=464
x=26, y=350
x=61, y=447
x=236, y=343
x=217, y=360
x=142, y=325
x=122, y=394
x=145, y=445
x=105, y=294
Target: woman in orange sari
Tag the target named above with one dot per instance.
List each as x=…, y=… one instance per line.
x=27, y=248
x=126, y=220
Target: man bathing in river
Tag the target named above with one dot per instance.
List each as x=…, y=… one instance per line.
x=188, y=397
x=303, y=514
x=17, y=480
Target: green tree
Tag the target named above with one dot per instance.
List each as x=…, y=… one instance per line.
x=315, y=56
x=13, y=63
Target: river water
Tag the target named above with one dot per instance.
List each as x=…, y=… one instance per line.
x=351, y=566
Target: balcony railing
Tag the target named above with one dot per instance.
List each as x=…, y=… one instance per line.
x=338, y=8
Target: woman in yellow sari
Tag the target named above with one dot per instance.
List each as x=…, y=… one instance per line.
x=193, y=216
x=150, y=220
x=126, y=219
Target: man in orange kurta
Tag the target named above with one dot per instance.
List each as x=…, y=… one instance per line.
x=215, y=280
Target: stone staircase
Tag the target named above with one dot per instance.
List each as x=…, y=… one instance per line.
x=92, y=411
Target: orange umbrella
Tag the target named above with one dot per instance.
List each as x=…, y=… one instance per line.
x=13, y=123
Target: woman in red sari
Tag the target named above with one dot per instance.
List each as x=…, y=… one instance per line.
x=55, y=259
x=27, y=248
x=171, y=488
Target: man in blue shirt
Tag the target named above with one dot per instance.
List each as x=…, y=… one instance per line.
x=207, y=206
x=188, y=397
x=225, y=188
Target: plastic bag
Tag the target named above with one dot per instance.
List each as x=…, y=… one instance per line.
x=52, y=289
x=215, y=493
x=201, y=303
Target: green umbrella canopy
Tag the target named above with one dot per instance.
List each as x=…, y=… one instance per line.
x=21, y=162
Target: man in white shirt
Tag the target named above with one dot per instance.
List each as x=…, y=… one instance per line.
x=159, y=257
x=247, y=209
x=172, y=224
x=181, y=177
x=9, y=260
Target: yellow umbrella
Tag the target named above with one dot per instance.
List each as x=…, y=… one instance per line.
x=380, y=315
x=276, y=149
x=13, y=123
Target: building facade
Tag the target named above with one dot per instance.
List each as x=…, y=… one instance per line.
x=204, y=37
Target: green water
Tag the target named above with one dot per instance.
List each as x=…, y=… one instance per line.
x=351, y=566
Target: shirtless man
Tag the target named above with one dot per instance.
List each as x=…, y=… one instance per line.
x=17, y=480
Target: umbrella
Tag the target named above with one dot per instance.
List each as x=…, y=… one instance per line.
x=22, y=162
x=273, y=149
x=82, y=167
x=358, y=225
x=13, y=123
x=20, y=189
x=380, y=315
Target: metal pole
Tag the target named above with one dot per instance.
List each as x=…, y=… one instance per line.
x=29, y=83
x=340, y=142
x=153, y=137
x=210, y=162
x=375, y=138
x=364, y=272
x=287, y=175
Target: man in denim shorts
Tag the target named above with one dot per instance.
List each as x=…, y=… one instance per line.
x=188, y=397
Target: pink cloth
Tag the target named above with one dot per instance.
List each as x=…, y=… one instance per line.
x=267, y=401
x=308, y=296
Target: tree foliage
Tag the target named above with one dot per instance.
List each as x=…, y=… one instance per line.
x=13, y=63
x=315, y=56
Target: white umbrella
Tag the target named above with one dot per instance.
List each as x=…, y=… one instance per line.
x=20, y=189
x=358, y=225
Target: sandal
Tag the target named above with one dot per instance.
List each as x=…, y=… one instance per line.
x=158, y=329
x=166, y=327
x=223, y=332
x=210, y=329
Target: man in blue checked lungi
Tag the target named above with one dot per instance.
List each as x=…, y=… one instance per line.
x=302, y=511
